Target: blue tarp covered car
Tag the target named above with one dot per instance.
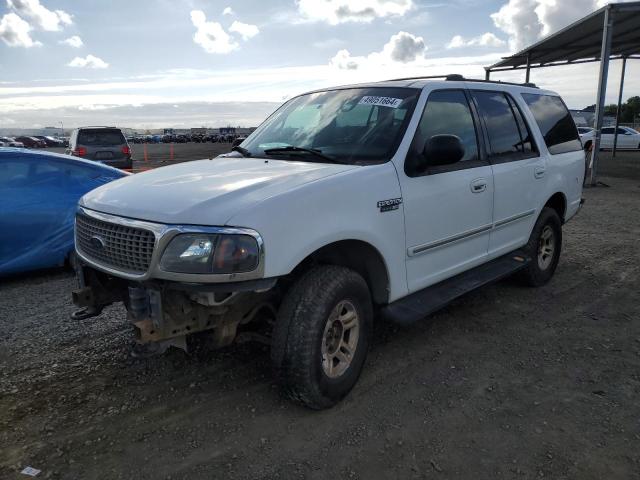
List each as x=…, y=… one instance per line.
x=39, y=192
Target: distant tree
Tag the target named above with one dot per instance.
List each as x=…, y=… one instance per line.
x=630, y=110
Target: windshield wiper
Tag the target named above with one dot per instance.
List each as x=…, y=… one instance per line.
x=291, y=148
x=241, y=150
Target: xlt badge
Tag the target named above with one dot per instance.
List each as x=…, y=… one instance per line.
x=388, y=205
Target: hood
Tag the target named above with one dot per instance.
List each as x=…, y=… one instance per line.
x=204, y=192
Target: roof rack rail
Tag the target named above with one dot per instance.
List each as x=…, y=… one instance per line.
x=455, y=77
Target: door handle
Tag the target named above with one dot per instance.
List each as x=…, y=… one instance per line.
x=478, y=185
x=538, y=172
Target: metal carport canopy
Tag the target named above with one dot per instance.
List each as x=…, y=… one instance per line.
x=612, y=32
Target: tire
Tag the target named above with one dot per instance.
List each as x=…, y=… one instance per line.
x=308, y=349
x=544, y=248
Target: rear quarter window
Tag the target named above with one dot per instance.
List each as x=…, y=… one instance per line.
x=101, y=137
x=555, y=123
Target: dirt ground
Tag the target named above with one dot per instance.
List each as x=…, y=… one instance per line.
x=507, y=382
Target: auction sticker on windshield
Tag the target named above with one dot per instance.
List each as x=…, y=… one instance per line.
x=381, y=101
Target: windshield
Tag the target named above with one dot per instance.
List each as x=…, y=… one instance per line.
x=356, y=125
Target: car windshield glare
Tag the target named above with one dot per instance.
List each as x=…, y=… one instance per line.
x=353, y=125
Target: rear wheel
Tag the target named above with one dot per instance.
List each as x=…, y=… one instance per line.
x=321, y=336
x=544, y=247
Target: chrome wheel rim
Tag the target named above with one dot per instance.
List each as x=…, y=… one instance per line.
x=546, y=247
x=340, y=339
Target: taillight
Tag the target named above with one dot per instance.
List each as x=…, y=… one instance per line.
x=80, y=152
x=126, y=150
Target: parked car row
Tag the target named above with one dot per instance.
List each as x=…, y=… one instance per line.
x=183, y=138
x=33, y=141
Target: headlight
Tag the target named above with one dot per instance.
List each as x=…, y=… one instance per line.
x=211, y=253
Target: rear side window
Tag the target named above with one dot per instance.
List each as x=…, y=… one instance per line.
x=509, y=137
x=555, y=122
x=101, y=137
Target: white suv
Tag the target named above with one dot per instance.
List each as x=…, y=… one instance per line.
x=392, y=197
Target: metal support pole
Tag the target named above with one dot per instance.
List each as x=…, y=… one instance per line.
x=605, y=53
x=615, y=134
x=487, y=74
x=528, y=68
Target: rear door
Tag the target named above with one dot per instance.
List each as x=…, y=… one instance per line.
x=606, y=138
x=518, y=170
x=448, y=208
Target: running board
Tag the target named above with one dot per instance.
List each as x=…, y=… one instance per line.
x=418, y=305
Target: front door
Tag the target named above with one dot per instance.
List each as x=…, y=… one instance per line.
x=448, y=208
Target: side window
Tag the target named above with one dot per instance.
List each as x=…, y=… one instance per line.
x=505, y=142
x=555, y=122
x=447, y=112
x=607, y=130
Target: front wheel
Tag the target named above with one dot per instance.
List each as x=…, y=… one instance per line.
x=544, y=247
x=321, y=336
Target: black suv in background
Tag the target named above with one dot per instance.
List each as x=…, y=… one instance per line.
x=102, y=144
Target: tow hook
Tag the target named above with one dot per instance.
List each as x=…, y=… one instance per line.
x=85, y=312
x=85, y=299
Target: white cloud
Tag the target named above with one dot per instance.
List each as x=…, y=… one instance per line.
x=245, y=30
x=14, y=31
x=485, y=40
x=74, y=41
x=42, y=17
x=344, y=61
x=340, y=11
x=401, y=48
x=228, y=11
x=527, y=21
x=210, y=35
x=89, y=61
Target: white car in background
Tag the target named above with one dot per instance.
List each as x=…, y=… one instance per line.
x=628, y=138
x=586, y=137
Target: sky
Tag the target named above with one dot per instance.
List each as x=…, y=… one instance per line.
x=188, y=63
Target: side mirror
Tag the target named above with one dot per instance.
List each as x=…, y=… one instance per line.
x=443, y=150
x=238, y=141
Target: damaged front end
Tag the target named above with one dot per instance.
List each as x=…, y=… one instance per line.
x=174, y=280
x=164, y=313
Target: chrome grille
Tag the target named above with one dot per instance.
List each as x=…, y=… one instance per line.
x=112, y=245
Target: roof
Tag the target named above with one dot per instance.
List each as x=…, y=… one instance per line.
x=436, y=81
x=581, y=41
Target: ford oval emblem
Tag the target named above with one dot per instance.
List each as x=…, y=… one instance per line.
x=97, y=242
